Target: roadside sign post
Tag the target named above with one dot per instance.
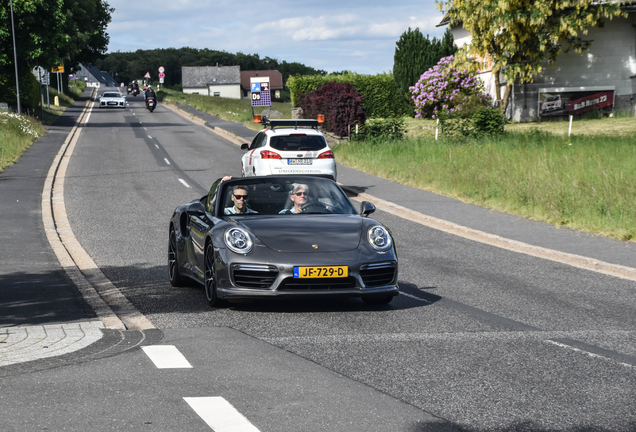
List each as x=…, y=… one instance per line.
x=162, y=75
x=259, y=88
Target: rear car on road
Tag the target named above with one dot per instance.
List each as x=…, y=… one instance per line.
x=289, y=147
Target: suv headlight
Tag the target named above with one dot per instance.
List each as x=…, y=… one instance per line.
x=238, y=240
x=379, y=238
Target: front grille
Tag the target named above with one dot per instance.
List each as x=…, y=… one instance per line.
x=317, y=284
x=378, y=274
x=254, y=276
x=112, y=103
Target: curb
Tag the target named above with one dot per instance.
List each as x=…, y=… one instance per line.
x=99, y=292
x=579, y=261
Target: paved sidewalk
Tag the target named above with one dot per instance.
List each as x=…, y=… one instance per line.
x=26, y=343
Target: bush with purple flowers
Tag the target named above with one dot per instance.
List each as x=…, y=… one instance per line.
x=444, y=91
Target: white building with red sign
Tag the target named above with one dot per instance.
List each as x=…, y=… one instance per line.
x=604, y=77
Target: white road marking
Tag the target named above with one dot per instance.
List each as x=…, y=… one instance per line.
x=166, y=357
x=149, y=137
x=146, y=128
x=156, y=145
x=167, y=161
x=184, y=183
x=589, y=354
x=220, y=415
x=414, y=297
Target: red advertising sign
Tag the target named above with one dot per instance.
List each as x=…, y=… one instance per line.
x=587, y=103
x=564, y=103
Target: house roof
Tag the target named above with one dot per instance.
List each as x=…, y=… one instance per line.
x=202, y=76
x=275, y=78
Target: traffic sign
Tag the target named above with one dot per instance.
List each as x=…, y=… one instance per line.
x=147, y=75
x=58, y=69
x=162, y=69
x=162, y=75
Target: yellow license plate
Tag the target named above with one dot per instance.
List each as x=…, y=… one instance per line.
x=321, y=272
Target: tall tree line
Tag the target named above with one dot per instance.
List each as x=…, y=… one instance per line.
x=415, y=54
x=48, y=33
x=128, y=66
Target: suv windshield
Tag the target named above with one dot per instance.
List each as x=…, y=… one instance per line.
x=297, y=142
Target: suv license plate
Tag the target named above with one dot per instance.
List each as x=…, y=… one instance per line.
x=299, y=161
x=321, y=272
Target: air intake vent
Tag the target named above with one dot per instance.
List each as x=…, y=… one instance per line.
x=378, y=274
x=254, y=276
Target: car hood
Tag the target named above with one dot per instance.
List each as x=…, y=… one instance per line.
x=307, y=233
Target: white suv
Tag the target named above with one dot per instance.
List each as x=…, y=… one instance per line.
x=289, y=147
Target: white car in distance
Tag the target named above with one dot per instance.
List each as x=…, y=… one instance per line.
x=112, y=100
x=294, y=147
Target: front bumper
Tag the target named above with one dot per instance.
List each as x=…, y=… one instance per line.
x=369, y=276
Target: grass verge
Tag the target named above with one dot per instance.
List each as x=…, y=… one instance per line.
x=17, y=133
x=585, y=183
x=236, y=110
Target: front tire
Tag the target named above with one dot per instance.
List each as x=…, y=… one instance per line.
x=210, y=278
x=173, y=262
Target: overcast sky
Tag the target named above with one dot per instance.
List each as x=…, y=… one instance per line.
x=332, y=35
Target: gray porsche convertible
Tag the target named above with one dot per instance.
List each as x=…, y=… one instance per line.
x=281, y=236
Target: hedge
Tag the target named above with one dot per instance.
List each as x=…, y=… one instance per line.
x=382, y=98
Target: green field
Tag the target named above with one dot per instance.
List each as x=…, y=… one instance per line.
x=585, y=182
x=227, y=109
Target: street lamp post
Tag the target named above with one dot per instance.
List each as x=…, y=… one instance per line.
x=15, y=59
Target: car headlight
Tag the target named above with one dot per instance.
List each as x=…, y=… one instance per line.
x=238, y=240
x=379, y=238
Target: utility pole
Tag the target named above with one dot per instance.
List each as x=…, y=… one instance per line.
x=15, y=59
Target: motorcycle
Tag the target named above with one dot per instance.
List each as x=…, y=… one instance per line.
x=151, y=103
x=129, y=89
x=135, y=91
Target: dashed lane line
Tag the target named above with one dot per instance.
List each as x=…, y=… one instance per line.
x=166, y=357
x=220, y=415
x=183, y=182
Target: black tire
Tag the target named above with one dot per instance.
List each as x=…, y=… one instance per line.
x=210, y=278
x=173, y=265
x=377, y=300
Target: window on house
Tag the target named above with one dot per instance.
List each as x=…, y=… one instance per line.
x=217, y=94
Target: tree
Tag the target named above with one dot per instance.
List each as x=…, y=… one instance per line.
x=415, y=54
x=49, y=33
x=518, y=37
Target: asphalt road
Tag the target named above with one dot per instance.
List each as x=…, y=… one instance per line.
x=481, y=338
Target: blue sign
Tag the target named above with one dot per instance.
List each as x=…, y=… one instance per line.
x=256, y=87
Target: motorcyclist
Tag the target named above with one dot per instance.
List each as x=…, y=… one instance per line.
x=149, y=93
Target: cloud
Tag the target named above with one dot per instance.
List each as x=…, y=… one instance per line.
x=331, y=35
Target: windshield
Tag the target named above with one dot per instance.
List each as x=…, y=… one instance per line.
x=112, y=95
x=290, y=195
x=298, y=142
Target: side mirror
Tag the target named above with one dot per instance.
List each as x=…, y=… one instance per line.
x=245, y=146
x=366, y=208
x=196, y=208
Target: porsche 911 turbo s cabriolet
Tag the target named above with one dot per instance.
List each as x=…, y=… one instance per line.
x=278, y=237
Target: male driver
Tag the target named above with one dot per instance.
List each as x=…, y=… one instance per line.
x=239, y=198
x=298, y=195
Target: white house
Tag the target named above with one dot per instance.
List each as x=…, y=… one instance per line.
x=603, y=77
x=222, y=81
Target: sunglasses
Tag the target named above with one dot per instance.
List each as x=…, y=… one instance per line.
x=241, y=197
x=301, y=193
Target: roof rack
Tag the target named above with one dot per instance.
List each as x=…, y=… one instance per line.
x=295, y=123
